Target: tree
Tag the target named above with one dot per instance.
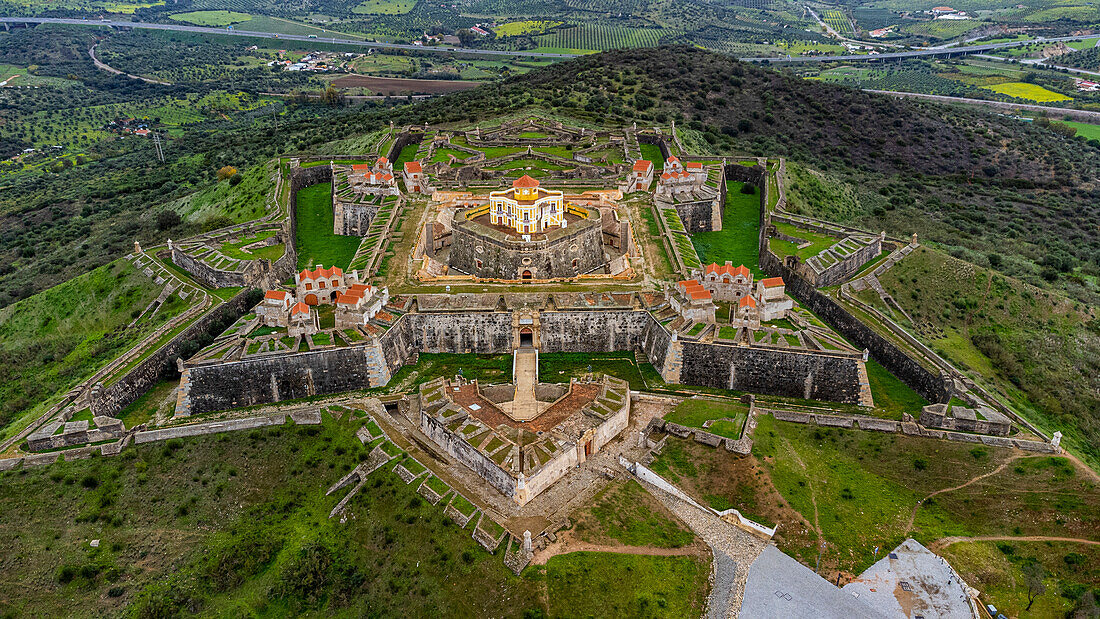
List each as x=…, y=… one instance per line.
x=1033, y=576
x=226, y=172
x=167, y=219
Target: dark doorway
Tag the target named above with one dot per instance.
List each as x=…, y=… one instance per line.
x=588, y=449
x=526, y=338
x=526, y=274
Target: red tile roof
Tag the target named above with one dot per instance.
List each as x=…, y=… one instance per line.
x=299, y=308
x=319, y=272
x=413, y=167
x=772, y=282
x=694, y=164
x=276, y=294
x=525, y=181
x=672, y=159
x=700, y=293
x=642, y=165
x=349, y=298
x=746, y=301
x=727, y=269
x=360, y=167
x=382, y=161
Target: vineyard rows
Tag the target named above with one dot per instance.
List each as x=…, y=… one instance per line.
x=838, y=21
x=603, y=37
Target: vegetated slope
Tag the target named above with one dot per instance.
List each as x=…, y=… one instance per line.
x=55, y=339
x=1041, y=349
x=238, y=523
x=967, y=179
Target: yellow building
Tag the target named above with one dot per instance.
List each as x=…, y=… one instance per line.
x=526, y=207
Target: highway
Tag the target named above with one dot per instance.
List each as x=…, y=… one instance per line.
x=272, y=35
x=917, y=53
x=1082, y=115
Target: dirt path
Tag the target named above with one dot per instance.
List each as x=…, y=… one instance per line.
x=105, y=67
x=942, y=543
x=813, y=490
x=1014, y=457
x=566, y=544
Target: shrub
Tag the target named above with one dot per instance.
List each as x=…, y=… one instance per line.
x=90, y=482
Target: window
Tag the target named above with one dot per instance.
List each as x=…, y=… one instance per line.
x=477, y=262
x=309, y=286
x=321, y=284
x=574, y=263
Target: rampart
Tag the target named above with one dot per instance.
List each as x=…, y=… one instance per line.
x=116, y=396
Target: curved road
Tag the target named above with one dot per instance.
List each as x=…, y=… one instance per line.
x=952, y=51
x=104, y=66
x=272, y=35
x=1086, y=115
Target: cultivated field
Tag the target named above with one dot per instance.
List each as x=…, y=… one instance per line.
x=396, y=86
x=211, y=18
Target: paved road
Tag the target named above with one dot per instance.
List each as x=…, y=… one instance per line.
x=104, y=66
x=917, y=53
x=1062, y=111
x=954, y=51
x=272, y=35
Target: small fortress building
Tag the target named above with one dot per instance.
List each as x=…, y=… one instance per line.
x=526, y=207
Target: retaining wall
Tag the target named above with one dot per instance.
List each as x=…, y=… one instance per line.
x=161, y=364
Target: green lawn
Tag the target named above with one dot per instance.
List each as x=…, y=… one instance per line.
x=818, y=242
x=694, y=412
x=652, y=152
x=485, y=368
x=891, y=395
x=616, y=585
x=1091, y=132
x=559, y=367
x=626, y=513
x=315, y=241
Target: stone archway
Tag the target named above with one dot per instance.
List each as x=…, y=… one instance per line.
x=311, y=299
x=526, y=274
x=526, y=338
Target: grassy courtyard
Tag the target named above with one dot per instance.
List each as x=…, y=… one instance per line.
x=728, y=417
x=315, y=241
x=738, y=240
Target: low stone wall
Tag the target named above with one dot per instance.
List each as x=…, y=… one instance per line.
x=217, y=427
x=909, y=428
x=595, y=331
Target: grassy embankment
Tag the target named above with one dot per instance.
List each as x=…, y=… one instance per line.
x=862, y=488
x=1036, y=348
x=53, y=340
x=238, y=523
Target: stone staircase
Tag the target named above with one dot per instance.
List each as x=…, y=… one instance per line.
x=674, y=361
x=183, y=395
x=865, y=398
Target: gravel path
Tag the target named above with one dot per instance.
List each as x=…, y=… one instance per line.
x=734, y=551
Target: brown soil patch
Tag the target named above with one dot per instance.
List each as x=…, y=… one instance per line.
x=567, y=543
x=397, y=86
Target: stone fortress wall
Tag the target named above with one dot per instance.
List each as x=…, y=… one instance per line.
x=265, y=380
x=504, y=258
x=116, y=396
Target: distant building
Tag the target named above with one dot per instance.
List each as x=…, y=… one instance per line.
x=414, y=177
x=303, y=321
x=774, y=302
